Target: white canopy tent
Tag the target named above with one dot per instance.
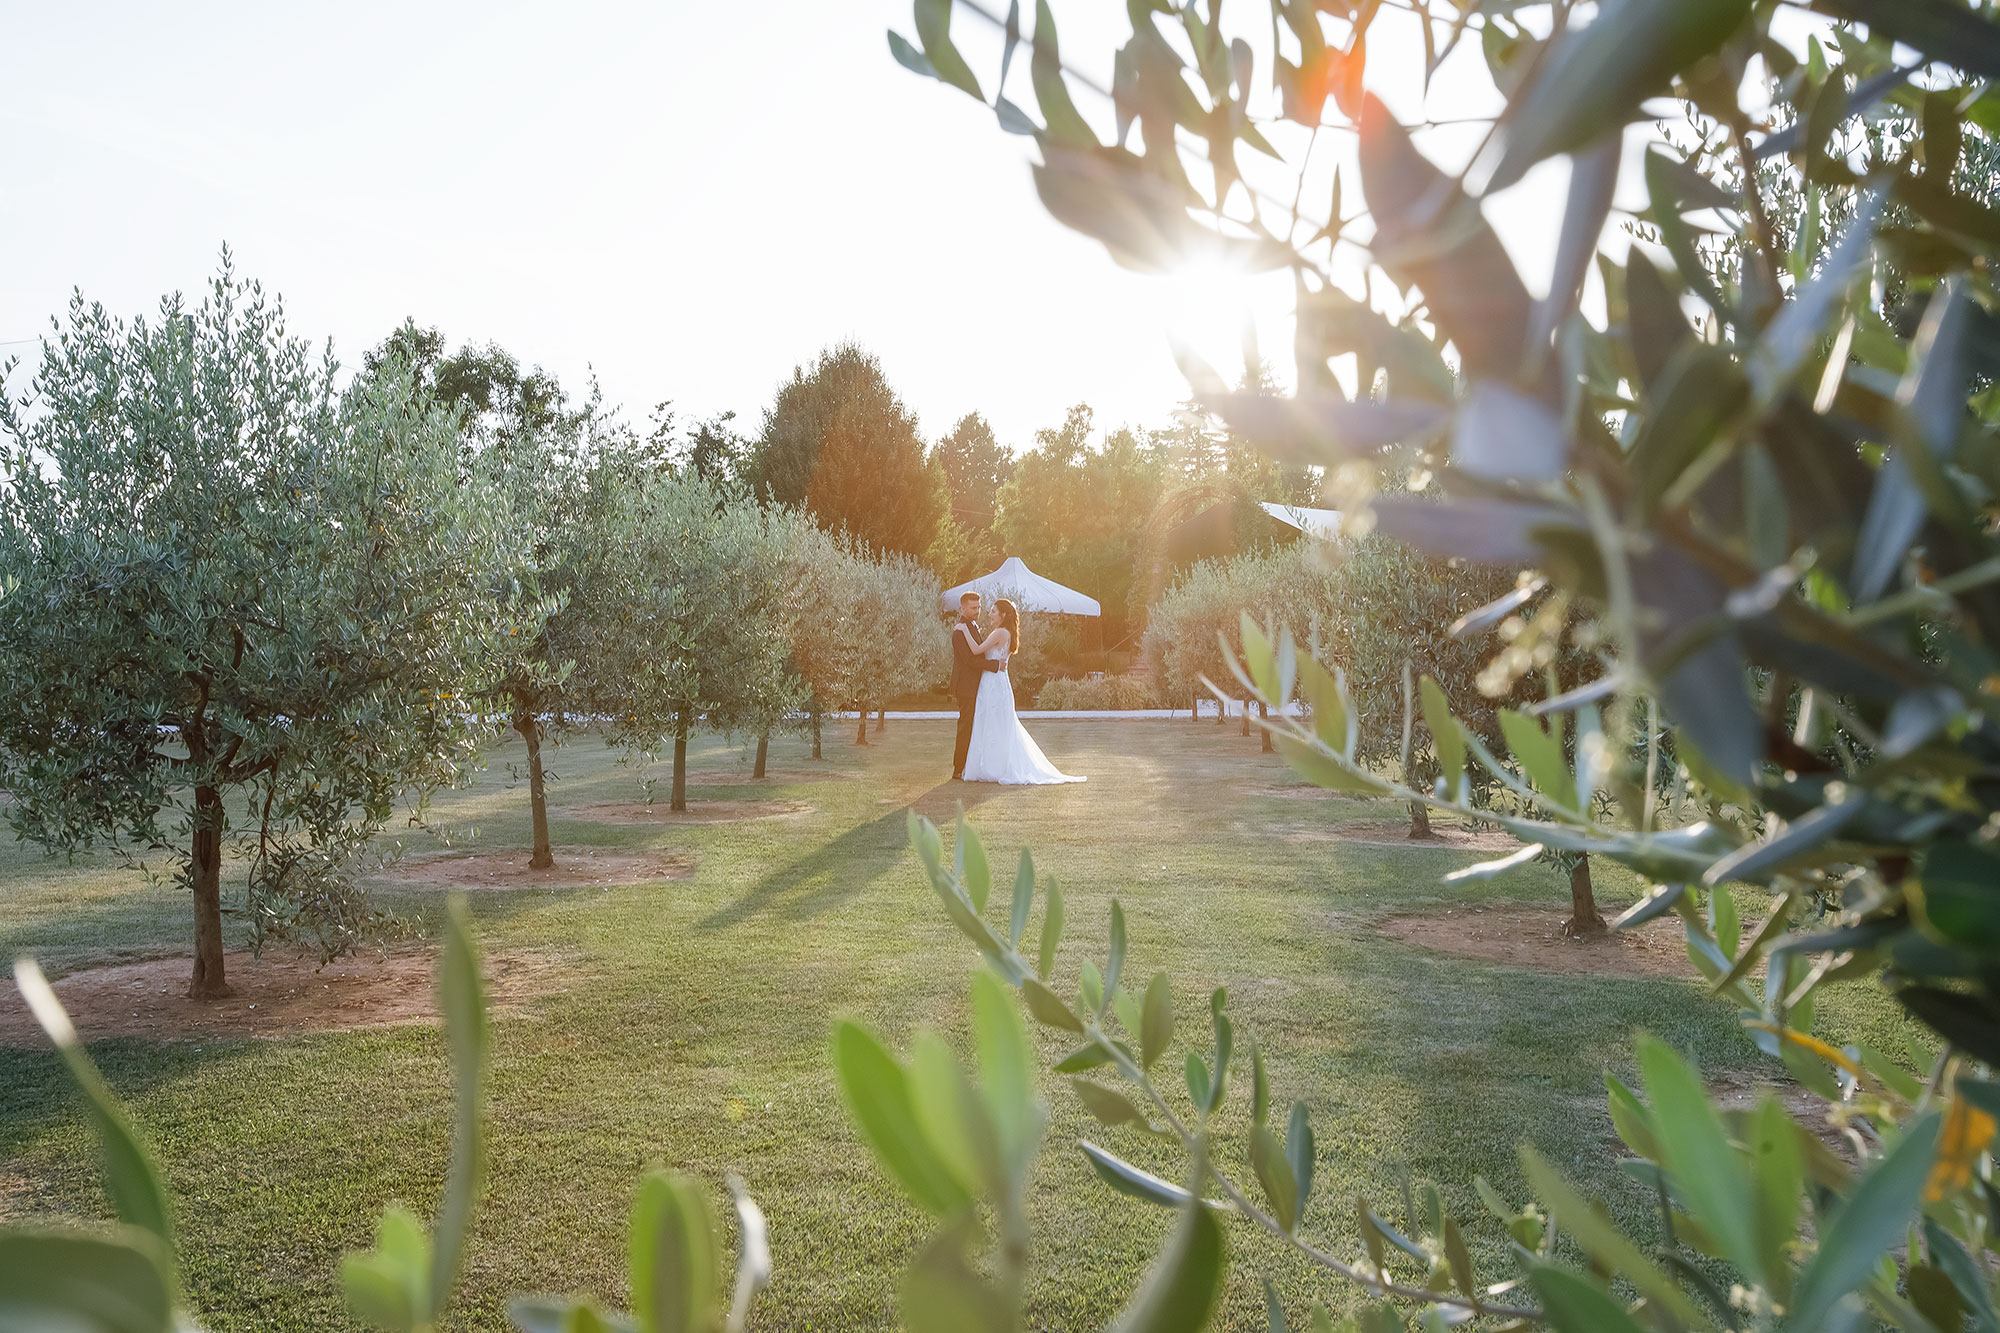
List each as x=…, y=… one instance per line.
x=1026, y=589
x=1324, y=524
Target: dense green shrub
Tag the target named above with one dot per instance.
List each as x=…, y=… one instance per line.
x=1053, y=650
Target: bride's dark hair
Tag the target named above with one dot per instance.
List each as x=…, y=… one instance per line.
x=1010, y=620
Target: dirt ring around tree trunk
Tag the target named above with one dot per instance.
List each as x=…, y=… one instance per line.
x=283, y=994
x=1518, y=935
x=776, y=775
x=698, y=812
x=1395, y=833
x=507, y=868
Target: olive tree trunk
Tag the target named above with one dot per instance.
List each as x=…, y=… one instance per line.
x=209, y=981
x=1420, y=820
x=1265, y=713
x=861, y=736
x=683, y=723
x=881, y=719
x=763, y=750
x=1246, y=717
x=815, y=727
x=530, y=728
x=1583, y=915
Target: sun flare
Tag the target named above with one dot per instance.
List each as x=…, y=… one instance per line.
x=1217, y=310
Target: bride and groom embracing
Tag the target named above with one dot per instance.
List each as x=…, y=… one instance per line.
x=993, y=746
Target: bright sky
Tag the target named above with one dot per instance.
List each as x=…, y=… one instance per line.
x=690, y=198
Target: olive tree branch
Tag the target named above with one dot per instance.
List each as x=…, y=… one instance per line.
x=1193, y=1142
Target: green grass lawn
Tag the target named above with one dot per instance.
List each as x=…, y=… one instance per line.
x=694, y=1033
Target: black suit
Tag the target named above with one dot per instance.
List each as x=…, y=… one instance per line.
x=966, y=669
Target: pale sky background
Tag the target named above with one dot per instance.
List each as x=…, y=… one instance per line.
x=688, y=198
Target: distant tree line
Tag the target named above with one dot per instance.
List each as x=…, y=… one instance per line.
x=838, y=444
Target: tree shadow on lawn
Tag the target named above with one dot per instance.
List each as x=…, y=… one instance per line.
x=38, y=1096
x=849, y=863
x=149, y=923
x=1468, y=1060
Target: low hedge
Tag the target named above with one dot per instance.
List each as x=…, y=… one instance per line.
x=1105, y=692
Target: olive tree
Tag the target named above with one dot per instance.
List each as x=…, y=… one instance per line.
x=901, y=643
x=1294, y=584
x=555, y=464
x=695, y=580
x=823, y=582
x=862, y=625
x=240, y=611
x=775, y=703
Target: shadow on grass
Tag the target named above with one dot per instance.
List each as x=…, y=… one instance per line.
x=832, y=873
x=37, y=1092
x=1469, y=1060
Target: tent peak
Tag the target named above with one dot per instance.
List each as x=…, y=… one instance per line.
x=1027, y=589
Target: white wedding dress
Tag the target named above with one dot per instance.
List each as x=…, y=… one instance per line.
x=1002, y=750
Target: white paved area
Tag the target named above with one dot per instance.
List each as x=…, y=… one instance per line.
x=1091, y=714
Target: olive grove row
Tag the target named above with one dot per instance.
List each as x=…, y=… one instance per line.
x=247, y=611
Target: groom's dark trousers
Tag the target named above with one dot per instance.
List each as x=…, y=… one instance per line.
x=966, y=669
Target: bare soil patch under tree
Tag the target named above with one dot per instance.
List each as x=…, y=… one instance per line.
x=509, y=868
x=282, y=994
x=1396, y=833
x=698, y=812
x=775, y=775
x=1532, y=937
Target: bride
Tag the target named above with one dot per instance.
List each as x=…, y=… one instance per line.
x=1002, y=750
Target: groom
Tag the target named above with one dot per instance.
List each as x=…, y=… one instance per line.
x=965, y=672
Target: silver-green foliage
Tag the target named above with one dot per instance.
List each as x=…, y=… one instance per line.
x=862, y=626
x=1805, y=1232
x=1378, y=611
x=900, y=636
x=1298, y=584
x=1770, y=521
x=240, y=610
x=692, y=600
